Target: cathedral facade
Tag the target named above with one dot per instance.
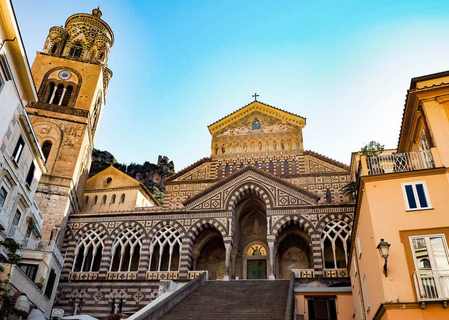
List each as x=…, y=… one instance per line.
x=259, y=207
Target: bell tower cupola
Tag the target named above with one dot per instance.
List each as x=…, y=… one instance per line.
x=85, y=37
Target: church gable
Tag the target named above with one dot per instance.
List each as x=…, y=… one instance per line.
x=111, y=178
x=256, y=123
x=262, y=109
x=275, y=192
x=257, y=128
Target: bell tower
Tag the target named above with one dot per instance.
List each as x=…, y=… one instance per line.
x=71, y=76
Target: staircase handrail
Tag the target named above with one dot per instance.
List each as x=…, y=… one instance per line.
x=289, y=310
x=158, y=310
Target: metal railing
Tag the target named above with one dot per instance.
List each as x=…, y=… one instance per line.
x=431, y=285
x=400, y=162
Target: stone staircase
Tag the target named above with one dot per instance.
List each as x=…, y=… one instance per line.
x=237, y=300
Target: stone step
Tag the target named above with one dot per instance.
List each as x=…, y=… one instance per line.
x=237, y=300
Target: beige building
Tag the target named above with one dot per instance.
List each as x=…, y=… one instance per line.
x=400, y=258
x=34, y=279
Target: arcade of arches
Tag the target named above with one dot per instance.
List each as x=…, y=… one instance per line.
x=249, y=254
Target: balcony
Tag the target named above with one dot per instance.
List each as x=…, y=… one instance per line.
x=398, y=162
x=431, y=285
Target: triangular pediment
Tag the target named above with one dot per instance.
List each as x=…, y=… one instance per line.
x=276, y=192
x=265, y=110
x=111, y=178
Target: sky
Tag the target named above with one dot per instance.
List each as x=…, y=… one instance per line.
x=180, y=65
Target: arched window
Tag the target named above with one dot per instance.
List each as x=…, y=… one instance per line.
x=165, y=249
x=104, y=199
x=113, y=199
x=54, y=48
x=86, y=201
x=67, y=95
x=76, y=51
x=122, y=198
x=96, y=200
x=89, y=251
x=335, y=240
x=46, y=149
x=126, y=250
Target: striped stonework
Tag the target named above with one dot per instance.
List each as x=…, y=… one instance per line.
x=98, y=293
x=246, y=189
x=186, y=257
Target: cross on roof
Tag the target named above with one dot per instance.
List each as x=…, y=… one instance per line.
x=255, y=95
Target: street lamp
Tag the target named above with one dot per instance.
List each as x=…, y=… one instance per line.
x=384, y=250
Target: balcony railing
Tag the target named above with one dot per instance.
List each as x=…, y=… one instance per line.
x=432, y=285
x=400, y=162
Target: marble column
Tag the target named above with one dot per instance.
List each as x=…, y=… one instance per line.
x=228, y=248
x=271, y=261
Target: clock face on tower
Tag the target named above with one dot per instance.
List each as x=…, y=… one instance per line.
x=64, y=74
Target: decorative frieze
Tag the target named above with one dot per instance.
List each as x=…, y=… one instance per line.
x=121, y=275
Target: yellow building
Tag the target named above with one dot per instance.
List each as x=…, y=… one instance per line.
x=400, y=260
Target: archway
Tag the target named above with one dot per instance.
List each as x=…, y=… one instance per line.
x=250, y=254
x=209, y=253
x=293, y=251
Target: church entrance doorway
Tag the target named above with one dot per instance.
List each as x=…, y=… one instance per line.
x=256, y=261
x=250, y=255
x=256, y=269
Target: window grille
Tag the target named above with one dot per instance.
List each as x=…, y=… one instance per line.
x=165, y=249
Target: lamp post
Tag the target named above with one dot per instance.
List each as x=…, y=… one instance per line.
x=384, y=250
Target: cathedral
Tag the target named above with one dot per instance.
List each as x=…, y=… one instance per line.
x=260, y=207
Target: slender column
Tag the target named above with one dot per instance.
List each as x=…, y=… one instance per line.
x=62, y=96
x=52, y=95
x=228, y=247
x=271, y=256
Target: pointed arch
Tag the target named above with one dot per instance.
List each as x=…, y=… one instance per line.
x=89, y=250
x=127, y=247
x=165, y=247
x=335, y=239
x=202, y=224
x=246, y=188
x=285, y=221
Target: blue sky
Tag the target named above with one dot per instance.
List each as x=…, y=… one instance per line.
x=180, y=65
